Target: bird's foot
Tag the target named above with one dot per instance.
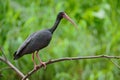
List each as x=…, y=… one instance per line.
x=44, y=64
x=36, y=67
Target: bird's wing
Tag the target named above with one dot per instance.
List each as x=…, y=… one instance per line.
x=24, y=45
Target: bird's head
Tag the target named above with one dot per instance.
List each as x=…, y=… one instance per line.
x=64, y=15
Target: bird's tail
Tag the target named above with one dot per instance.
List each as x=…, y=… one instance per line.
x=16, y=56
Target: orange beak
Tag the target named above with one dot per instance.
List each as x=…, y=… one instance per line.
x=69, y=19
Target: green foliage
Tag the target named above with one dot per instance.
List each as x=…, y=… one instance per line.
x=98, y=33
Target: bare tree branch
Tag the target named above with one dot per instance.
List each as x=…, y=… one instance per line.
x=24, y=77
x=5, y=60
x=12, y=66
x=69, y=59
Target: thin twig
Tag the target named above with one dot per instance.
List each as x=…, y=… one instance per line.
x=115, y=63
x=69, y=59
x=1, y=49
x=5, y=68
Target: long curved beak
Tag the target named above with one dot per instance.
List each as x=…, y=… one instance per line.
x=69, y=19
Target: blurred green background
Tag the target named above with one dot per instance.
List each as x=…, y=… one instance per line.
x=98, y=34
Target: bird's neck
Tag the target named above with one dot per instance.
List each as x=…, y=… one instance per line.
x=55, y=25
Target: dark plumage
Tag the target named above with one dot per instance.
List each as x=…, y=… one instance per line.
x=34, y=42
x=39, y=39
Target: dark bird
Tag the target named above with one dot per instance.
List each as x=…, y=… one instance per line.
x=39, y=40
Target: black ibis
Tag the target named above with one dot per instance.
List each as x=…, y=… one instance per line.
x=39, y=40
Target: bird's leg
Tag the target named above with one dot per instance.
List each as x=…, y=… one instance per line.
x=35, y=66
x=43, y=63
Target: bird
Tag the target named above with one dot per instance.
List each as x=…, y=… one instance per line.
x=39, y=40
